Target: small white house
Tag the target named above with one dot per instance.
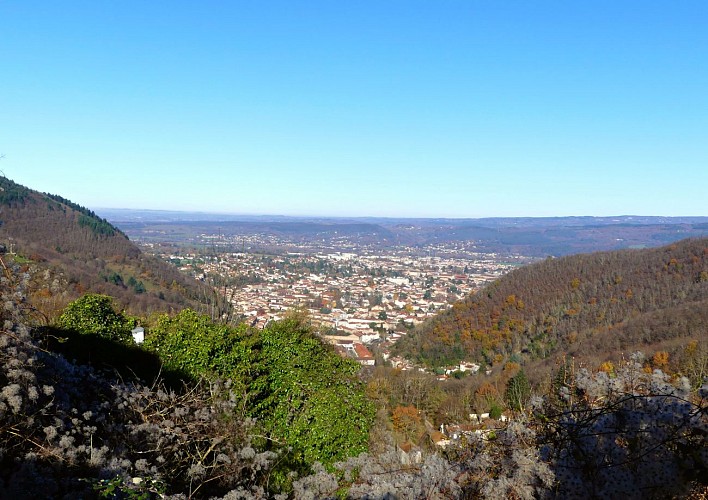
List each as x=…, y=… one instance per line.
x=138, y=334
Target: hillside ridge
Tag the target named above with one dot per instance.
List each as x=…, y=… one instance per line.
x=70, y=250
x=580, y=305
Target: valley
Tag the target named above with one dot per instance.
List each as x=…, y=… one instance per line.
x=283, y=345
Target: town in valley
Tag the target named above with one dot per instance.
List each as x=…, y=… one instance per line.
x=362, y=298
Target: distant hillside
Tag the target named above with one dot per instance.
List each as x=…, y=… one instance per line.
x=71, y=250
x=588, y=305
x=565, y=236
x=528, y=236
x=295, y=232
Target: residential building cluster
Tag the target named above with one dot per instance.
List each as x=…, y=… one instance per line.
x=356, y=296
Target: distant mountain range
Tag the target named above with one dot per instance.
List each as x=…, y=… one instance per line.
x=534, y=237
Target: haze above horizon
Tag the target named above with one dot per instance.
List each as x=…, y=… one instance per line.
x=458, y=109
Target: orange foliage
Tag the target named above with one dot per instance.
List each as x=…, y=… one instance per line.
x=512, y=367
x=661, y=359
x=487, y=390
x=607, y=367
x=406, y=420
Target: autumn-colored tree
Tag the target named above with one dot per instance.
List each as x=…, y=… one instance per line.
x=487, y=390
x=379, y=390
x=485, y=397
x=607, y=367
x=512, y=367
x=693, y=362
x=407, y=421
x=660, y=360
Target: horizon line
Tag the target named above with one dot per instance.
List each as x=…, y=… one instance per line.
x=411, y=217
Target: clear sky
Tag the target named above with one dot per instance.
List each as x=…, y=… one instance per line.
x=360, y=108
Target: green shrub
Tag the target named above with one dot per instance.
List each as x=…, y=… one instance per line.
x=94, y=314
x=193, y=345
x=301, y=392
x=495, y=411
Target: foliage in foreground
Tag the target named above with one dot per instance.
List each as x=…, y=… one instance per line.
x=632, y=435
x=304, y=395
x=70, y=430
x=67, y=430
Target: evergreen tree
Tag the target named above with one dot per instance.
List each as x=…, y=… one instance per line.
x=518, y=391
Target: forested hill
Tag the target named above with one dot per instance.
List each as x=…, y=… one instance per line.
x=72, y=251
x=587, y=305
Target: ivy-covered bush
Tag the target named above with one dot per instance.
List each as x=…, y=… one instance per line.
x=95, y=314
x=192, y=344
x=305, y=397
x=310, y=397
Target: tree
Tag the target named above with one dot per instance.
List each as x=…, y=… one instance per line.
x=693, y=361
x=407, y=421
x=495, y=411
x=94, y=314
x=383, y=316
x=486, y=395
x=518, y=391
x=661, y=360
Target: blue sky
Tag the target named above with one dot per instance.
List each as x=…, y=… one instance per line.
x=367, y=108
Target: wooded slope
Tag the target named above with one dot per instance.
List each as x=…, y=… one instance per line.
x=582, y=304
x=77, y=251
